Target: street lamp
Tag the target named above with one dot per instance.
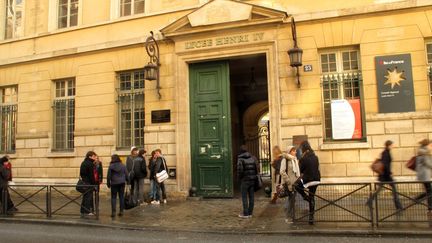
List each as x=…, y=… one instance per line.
x=296, y=53
x=151, y=70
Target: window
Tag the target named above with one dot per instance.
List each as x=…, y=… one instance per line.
x=341, y=80
x=64, y=115
x=131, y=7
x=130, y=109
x=67, y=13
x=429, y=60
x=14, y=18
x=8, y=117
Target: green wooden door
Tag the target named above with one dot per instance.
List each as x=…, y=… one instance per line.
x=211, y=129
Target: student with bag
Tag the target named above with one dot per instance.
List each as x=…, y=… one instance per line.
x=140, y=173
x=247, y=172
x=160, y=174
x=116, y=181
x=290, y=172
x=424, y=171
x=130, y=165
x=276, y=165
x=87, y=177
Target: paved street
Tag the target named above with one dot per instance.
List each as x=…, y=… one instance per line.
x=23, y=233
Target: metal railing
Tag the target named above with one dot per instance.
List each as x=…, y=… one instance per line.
x=48, y=200
x=348, y=202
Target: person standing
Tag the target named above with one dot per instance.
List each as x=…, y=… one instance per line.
x=116, y=181
x=98, y=172
x=140, y=171
x=247, y=172
x=5, y=177
x=309, y=177
x=130, y=165
x=276, y=164
x=424, y=170
x=160, y=165
x=386, y=176
x=290, y=172
x=151, y=167
x=87, y=176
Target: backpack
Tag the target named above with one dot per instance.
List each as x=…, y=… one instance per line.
x=411, y=164
x=378, y=167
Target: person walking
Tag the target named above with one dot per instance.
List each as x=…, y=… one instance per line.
x=309, y=177
x=140, y=173
x=5, y=178
x=130, y=165
x=151, y=167
x=87, y=176
x=386, y=176
x=116, y=181
x=290, y=172
x=247, y=172
x=276, y=165
x=159, y=166
x=424, y=170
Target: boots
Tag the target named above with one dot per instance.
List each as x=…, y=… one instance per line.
x=274, y=198
x=113, y=213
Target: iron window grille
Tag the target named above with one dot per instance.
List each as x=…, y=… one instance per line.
x=131, y=112
x=131, y=7
x=341, y=79
x=8, y=117
x=67, y=13
x=64, y=115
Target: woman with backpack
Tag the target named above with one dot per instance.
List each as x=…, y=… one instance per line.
x=276, y=164
x=116, y=181
x=424, y=170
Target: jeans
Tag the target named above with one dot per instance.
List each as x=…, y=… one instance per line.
x=310, y=197
x=117, y=190
x=290, y=205
x=138, y=190
x=152, y=193
x=87, y=203
x=247, y=190
x=160, y=188
x=428, y=194
x=10, y=204
x=396, y=200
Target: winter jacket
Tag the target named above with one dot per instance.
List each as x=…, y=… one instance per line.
x=129, y=163
x=140, y=167
x=152, y=167
x=424, y=164
x=386, y=159
x=247, y=168
x=309, y=167
x=86, y=171
x=116, y=174
x=287, y=170
x=159, y=166
x=4, y=176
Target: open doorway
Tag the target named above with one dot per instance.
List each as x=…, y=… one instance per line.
x=250, y=110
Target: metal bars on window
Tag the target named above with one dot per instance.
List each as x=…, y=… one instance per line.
x=346, y=85
x=8, y=118
x=64, y=115
x=131, y=112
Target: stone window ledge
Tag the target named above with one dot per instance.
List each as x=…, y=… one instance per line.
x=61, y=154
x=349, y=145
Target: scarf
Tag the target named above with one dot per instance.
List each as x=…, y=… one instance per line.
x=295, y=165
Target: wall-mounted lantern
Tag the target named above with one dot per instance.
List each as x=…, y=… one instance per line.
x=152, y=69
x=296, y=53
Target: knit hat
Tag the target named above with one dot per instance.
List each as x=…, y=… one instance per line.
x=133, y=148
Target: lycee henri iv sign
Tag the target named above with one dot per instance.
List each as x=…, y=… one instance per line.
x=395, y=83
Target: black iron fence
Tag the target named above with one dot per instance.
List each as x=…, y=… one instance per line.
x=47, y=200
x=259, y=146
x=349, y=202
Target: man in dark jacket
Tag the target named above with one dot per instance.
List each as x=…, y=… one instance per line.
x=140, y=173
x=87, y=175
x=247, y=171
x=309, y=177
x=158, y=167
x=5, y=177
x=129, y=165
x=386, y=176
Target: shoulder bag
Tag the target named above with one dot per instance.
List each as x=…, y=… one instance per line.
x=163, y=175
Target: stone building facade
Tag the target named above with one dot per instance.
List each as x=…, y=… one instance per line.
x=72, y=80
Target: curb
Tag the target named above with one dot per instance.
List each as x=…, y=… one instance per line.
x=309, y=232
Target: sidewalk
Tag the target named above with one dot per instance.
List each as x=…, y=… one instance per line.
x=220, y=216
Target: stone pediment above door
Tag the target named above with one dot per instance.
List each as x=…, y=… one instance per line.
x=223, y=14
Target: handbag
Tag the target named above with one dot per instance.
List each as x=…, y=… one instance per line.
x=411, y=164
x=282, y=190
x=128, y=199
x=163, y=175
x=81, y=186
x=378, y=167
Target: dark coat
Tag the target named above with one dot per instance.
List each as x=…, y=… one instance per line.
x=140, y=167
x=309, y=167
x=247, y=168
x=4, y=176
x=99, y=169
x=86, y=171
x=158, y=167
x=116, y=174
x=152, y=165
x=386, y=159
x=129, y=163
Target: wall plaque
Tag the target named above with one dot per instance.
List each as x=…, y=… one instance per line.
x=395, y=83
x=161, y=116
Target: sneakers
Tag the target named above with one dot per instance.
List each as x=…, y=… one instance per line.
x=164, y=201
x=244, y=216
x=288, y=221
x=155, y=202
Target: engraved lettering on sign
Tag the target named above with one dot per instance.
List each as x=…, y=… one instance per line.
x=221, y=41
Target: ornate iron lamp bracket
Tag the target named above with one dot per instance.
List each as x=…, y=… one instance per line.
x=153, y=66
